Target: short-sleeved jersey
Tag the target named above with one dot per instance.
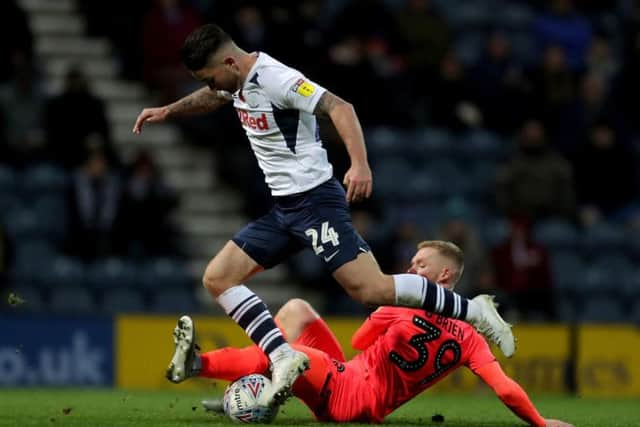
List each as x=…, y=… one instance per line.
x=412, y=350
x=275, y=106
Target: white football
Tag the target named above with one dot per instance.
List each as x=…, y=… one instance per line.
x=242, y=397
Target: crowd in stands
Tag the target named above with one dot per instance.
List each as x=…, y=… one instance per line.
x=507, y=126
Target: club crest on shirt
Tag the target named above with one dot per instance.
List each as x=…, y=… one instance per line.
x=303, y=87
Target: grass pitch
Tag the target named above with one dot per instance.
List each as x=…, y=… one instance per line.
x=90, y=408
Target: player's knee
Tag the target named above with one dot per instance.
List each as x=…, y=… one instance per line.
x=297, y=310
x=213, y=283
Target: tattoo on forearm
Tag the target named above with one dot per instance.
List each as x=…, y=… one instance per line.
x=201, y=101
x=327, y=102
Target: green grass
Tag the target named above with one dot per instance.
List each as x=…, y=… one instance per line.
x=89, y=408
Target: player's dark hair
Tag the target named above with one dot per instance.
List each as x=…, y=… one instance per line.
x=201, y=44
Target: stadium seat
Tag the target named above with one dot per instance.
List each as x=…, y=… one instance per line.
x=71, y=299
x=430, y=143
x=602, y=309
x=480, y=144
x=110, y=273
x=43, y=179
x=565, y=309
x=173, y=301
x=393, y=178
x=513, y=15
x=52, y=216
x=384, y=141
x=23, y=224
x=9, y=196
x=162, y=273
x=122, y=301
x=66, y=271
x=556, y=234
x=567, y=269
x=634, y=316
x=469, y=47
x=495, y=230
x=602, y=238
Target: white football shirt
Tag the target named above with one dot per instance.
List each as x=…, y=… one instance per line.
x=275, y=107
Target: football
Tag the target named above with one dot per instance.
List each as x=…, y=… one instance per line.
x=242, y=400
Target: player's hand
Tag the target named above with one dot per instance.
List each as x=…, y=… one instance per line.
x=557, y=423
x=151, y=115
x=358, y=182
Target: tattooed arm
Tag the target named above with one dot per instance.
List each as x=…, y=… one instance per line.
x=201, y=101
x=358, y=178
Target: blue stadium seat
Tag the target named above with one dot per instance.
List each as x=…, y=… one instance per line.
x=110, y=273
x=565, y=309
x=480, y=144
x=71, y=300
x=22, y=224
x=602, y=238
x=9, y=194
x=630, y=284
x=66, y=271
x=122, y=301
x=430, y=142
x=44, y=179
x=634, y=316
x=567, y=269
x=495, y=231
x=514, y=15
x=162, y=273
x=173, y=301
x=469, y=46
x=393, y=178
x=384, y=141
x=52, y=216
x=556, y=234
x=602, y=309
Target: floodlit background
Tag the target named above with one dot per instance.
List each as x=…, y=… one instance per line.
x=508, y=127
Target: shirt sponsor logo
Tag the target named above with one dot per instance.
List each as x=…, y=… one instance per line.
x=251, y=122
x=303, y=87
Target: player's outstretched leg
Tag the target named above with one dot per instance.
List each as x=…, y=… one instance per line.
x=183, y=362
x=493, y=326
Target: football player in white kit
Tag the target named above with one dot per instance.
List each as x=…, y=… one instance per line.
x=277, y=106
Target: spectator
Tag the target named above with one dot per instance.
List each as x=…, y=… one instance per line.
x=95, y=206
x=21, y=107
x=451, y=104
x=426, y=37
x=16, y=49
x=165, y=28
x=73, y=116
x=537, y=182
x=564, y=27
x=523, y=272
x=600, y=60
x=498, y=84
x=147, y=204
x=605, y=172
x=552, y=86
x=594, y=104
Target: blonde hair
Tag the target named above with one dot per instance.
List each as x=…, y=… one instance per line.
x=450, y=251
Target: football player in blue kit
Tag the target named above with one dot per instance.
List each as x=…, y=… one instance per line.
x=277, y=107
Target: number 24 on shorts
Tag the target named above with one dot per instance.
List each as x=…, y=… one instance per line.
x=327, y=235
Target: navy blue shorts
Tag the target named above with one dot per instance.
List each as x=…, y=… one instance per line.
x=318, y=219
